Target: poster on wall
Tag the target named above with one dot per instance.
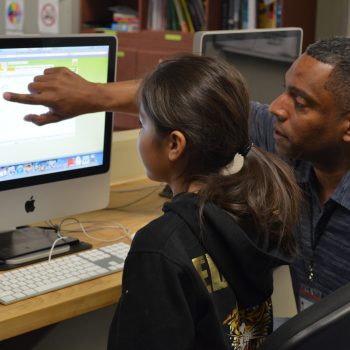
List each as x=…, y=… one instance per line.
x=48, y=16
x=14, y=16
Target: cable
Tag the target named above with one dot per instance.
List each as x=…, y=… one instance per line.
x=54, y=243
x=133, y=202
x=125, y=231
x=93, y=227
x=59, y=228
x=137, y=189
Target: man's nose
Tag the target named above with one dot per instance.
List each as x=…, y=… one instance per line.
x=279, y=107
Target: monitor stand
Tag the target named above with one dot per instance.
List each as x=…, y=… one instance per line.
x=32, y=244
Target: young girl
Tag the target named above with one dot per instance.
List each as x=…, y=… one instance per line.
x=200, y=276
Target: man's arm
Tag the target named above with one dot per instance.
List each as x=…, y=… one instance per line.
x=261, y=126
x=67, y=95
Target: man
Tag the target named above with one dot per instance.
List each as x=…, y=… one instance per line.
x=312, y=127
x=308, y=125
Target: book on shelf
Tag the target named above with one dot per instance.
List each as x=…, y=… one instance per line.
x=279, y=14
x=168, y=16
x=250, y=14
x=125, y=27
x=190, y=14
x=187, y=15
x=123, y=10
x=224, y=14
x=249, y=11
x=178, y=15
x=173, y=20
x=196, y=9
x=125, y=19
x=231, y=14
x=156, y=15
x=125, y=23
x=269, y=13
x=181, y=16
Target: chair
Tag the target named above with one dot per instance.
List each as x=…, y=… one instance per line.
x=324, y=325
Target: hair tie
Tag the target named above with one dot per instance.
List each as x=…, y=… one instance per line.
x=243, y=151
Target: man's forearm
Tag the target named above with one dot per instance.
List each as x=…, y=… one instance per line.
x=118, y=96
x=67, y=95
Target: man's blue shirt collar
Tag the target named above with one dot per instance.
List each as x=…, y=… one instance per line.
x=305, y=174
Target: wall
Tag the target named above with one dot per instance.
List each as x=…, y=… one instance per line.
x=126, y=163
x=69, y=17
x=332, y=18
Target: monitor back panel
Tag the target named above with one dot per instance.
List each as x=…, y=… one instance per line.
x=262, y=55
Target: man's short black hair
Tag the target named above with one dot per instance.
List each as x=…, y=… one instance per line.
x=335, y=52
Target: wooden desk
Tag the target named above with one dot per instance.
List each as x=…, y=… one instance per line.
x=53, y=307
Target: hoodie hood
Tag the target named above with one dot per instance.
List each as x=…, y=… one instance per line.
x=246, y=267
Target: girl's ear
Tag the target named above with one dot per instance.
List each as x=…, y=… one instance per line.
x=177, y=145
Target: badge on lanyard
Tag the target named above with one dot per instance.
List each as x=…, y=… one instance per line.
x=308, y=296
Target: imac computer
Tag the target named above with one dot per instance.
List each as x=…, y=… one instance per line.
x=59, y=169
x=262, y=55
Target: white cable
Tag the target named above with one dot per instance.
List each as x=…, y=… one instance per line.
x=94, y=227
x=101, y=239
x=125, y=231
x=60, y=237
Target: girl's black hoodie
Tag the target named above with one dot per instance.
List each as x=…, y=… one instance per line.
x=191, y=288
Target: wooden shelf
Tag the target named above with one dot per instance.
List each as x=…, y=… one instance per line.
x=139, y=52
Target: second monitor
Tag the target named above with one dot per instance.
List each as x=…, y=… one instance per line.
x=262, y=55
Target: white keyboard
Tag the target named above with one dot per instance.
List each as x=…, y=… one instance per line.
x=40, y=278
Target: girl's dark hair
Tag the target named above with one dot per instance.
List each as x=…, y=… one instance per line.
x=207, y=100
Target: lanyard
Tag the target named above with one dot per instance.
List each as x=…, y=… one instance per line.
x=315, y=232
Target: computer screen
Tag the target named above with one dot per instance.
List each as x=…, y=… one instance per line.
x=62, y=168
x=262, y=55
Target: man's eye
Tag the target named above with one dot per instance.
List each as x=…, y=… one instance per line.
x=299, y=103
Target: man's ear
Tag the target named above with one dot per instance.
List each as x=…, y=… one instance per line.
x=346, y=136
x=177, y=145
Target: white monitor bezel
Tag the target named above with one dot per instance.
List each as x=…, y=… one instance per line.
x=60, y=194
